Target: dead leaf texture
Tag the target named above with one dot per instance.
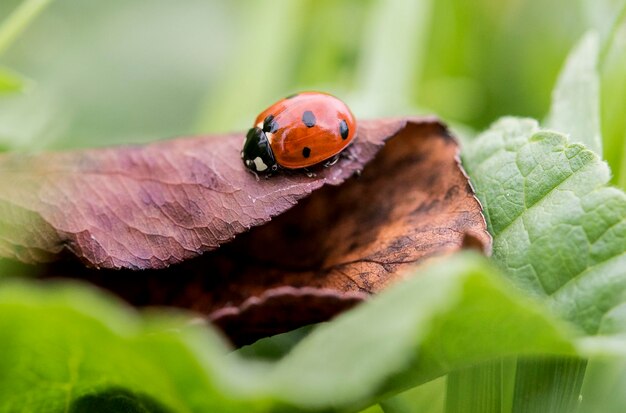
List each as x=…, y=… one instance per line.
x=305, y=248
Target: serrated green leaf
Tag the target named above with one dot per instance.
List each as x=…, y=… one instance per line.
x=560, y=234
x=575, y=106
x=559, y=231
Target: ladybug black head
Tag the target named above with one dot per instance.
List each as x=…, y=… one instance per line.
x=257, y=154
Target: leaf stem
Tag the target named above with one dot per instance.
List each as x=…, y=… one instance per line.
x=18, y=20
x=387, y=74
x=610, y=39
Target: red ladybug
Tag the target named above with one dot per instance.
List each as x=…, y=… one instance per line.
x=299, y=131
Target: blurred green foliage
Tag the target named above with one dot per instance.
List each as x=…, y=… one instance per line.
x=131, y=71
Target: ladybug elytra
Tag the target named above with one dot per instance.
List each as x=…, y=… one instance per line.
x=299, y=131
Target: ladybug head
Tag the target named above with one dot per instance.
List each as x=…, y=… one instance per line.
x=257, y=154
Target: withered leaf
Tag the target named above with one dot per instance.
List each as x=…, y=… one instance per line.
x=155, y=205
x=148, y=207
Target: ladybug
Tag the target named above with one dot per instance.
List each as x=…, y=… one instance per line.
x=299, y=131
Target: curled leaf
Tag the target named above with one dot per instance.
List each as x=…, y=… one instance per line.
x=145, y=206
x=350, y=234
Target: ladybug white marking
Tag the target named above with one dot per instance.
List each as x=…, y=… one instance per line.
x=259, y=164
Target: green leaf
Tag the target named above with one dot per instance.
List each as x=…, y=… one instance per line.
x=65, y=346
x=426, y=398
x=560, y=234
x=548, y=384
x=19, y=20
x=559, y=231
x=373, y=409
x=274, y=347
x=575, y=106
x=383, y=87
x=483, y=388
x=449, y=316
x=603, y=388
x=613, y=93
x=11, y=82
x=30, y=121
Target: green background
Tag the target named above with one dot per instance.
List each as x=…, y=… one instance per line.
x=119, y=71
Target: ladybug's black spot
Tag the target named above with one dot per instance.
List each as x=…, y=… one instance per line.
x=306, y=152
x=308, y=118
x=292, y=96
x=343, y=129
x=269, y=124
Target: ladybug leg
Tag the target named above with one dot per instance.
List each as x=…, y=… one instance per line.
x=348, y=155
x=309, y=173
x=256, y=175
x=331, y=161
x=274, y=169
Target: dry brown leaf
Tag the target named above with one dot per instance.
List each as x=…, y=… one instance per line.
x=147, y=207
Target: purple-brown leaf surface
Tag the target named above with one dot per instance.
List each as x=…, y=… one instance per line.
x=398, y=196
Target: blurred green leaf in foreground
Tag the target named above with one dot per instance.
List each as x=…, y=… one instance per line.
x=63, y=342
